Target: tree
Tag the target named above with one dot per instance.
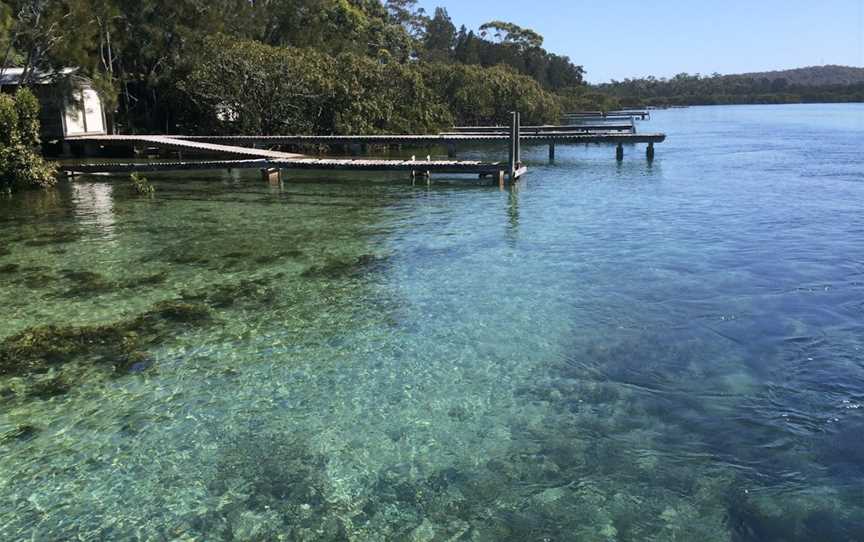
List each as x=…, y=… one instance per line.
x=504, y=32
x=406, y=14
x=440, y=36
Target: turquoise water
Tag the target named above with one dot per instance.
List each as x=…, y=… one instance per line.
x=607, y=352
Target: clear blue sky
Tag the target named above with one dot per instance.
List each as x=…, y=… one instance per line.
x=633, y=38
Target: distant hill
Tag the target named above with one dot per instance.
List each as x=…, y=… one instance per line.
x=813, y=76
x=816, y=84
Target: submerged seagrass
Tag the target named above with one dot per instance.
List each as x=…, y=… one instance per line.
x=118, y=344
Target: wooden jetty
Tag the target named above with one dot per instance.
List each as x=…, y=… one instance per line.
x=621, y=113
x=530, y=130
x=246, y=154
x=427, y=165
x=177, y=143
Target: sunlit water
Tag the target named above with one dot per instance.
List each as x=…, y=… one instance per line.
x=608, y=352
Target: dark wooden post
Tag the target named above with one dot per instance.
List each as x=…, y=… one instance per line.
x=619, y=152
x=451, y=150
x=650, y=152
x=551, y=152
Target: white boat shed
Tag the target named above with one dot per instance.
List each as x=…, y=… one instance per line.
x=62, y=115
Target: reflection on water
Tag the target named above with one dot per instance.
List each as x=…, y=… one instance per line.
x=93, y=205
x=605, y=352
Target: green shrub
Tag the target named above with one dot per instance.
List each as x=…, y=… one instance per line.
x=21, y=165
x=141, y=185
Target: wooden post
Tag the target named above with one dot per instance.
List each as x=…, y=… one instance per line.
x=518, y=140
x=511, y=157
x=551, y=152
x=451, y=150
x=272, y=175
x=650, y=152
x=619, y=152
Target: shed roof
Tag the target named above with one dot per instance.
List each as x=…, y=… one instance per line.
x=12, y=76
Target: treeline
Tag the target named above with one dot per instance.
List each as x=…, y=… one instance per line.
x=288, y=66
x=716, y=89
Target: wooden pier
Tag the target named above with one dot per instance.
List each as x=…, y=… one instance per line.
x=246, y=154
x=422, y=140
x=618, y=114
x=533, y=130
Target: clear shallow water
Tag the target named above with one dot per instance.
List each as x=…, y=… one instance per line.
x=607, y=352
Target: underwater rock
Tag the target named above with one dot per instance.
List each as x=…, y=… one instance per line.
x=346, y=268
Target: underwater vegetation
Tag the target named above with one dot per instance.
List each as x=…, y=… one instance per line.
x=140, y=185
x=118, y=346
x=342, y=268
x=86, y=283
x=276, y=256
x=61, y=237
x=8, y=269
x=256, y=291
x=19, y=433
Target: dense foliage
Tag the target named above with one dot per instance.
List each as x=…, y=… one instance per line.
x=21, y=165
x=339, y=66
x=805, y=85
x=331, y=66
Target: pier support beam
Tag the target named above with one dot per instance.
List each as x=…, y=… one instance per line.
x=272, y=175
x=552, y=152
x=619, y=152
x=514, y=158
x=650, y=152
x=451, y=150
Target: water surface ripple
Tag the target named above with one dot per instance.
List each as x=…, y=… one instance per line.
x=607, y=352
